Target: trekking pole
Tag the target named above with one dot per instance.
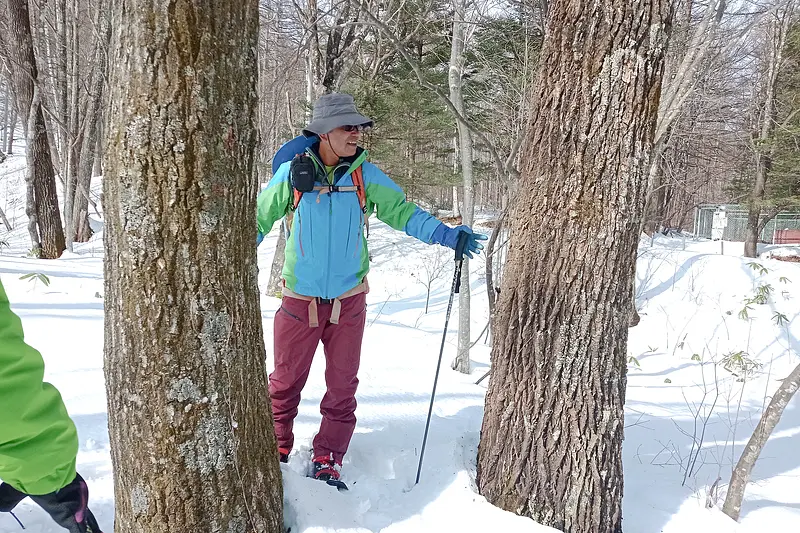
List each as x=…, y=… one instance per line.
x=461, y=246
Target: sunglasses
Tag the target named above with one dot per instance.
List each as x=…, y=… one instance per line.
x=362, y=128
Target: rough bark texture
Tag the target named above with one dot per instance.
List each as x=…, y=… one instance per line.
x=192, y=440
x=551, y=442
x=30, y=177
x=25, y=78
x=769, y=419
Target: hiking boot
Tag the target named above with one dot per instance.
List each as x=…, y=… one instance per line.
x=326, y=469
x=283, y=454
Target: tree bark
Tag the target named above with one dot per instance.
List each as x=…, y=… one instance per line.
x=490, y=250
x=25, y=79
x=7, y=105
x=769, y=419
x=31, y=205
x=275, y=285
x=80, y=230
x=11, y=125
x=456, y=169
x=456, y=71
x=551, y=441
x=190, y=425
x=74, y=139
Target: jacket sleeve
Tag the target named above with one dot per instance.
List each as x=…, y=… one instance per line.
x=38, y=441
x=273, y=202
x=392, y=207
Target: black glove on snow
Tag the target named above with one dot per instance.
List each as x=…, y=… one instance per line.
x=66, y=506
x=9, y=497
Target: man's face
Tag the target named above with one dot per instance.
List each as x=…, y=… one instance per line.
x=343, y=142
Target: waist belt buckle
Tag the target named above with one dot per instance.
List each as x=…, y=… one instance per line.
x=325, y=300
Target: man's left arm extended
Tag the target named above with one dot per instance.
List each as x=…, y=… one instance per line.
x=400, y=214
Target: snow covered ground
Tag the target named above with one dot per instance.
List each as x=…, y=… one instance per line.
x=687, y=416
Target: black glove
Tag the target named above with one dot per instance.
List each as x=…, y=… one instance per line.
x=66, y=506
x=9, y=497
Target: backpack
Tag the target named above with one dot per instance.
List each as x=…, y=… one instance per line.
x=297, y=146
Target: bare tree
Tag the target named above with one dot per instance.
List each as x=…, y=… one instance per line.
x=79, y=229
x=46, y=231
x=433, y=268
x=769, y=419
x=280, y=87
x=688, y=61
x=4, y=219
x=190, y=426
x=765, y=124
x=551, y=441
x=459, y=39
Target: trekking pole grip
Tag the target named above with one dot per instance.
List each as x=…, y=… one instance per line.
x=461, y=245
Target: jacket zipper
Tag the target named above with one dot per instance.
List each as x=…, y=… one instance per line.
x=330, y=236
x=360, y=233
x=300, y=232
x=311, y=153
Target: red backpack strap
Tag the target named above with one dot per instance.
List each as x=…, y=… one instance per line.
x=358, y=181
x=361, y=191
x=297, y=196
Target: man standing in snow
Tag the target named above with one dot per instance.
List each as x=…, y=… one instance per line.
x=38, y=441
x=331, y=190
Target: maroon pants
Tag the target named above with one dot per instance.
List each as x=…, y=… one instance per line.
x=295, y=344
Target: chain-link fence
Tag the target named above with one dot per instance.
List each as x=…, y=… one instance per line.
x=736, y=218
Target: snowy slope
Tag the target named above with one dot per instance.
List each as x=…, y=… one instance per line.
x=684, y=296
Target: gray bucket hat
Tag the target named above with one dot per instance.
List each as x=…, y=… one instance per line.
x=332, y=111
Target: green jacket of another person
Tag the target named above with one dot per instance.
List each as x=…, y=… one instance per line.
x=38, y=441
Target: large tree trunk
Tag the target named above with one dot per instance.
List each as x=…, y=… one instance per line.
x=769, y=419
x=551, y=442
x=26, y=83
x=456, y=71
x=192, y=441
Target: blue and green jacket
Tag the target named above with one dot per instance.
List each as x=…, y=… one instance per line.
x=326, y=249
